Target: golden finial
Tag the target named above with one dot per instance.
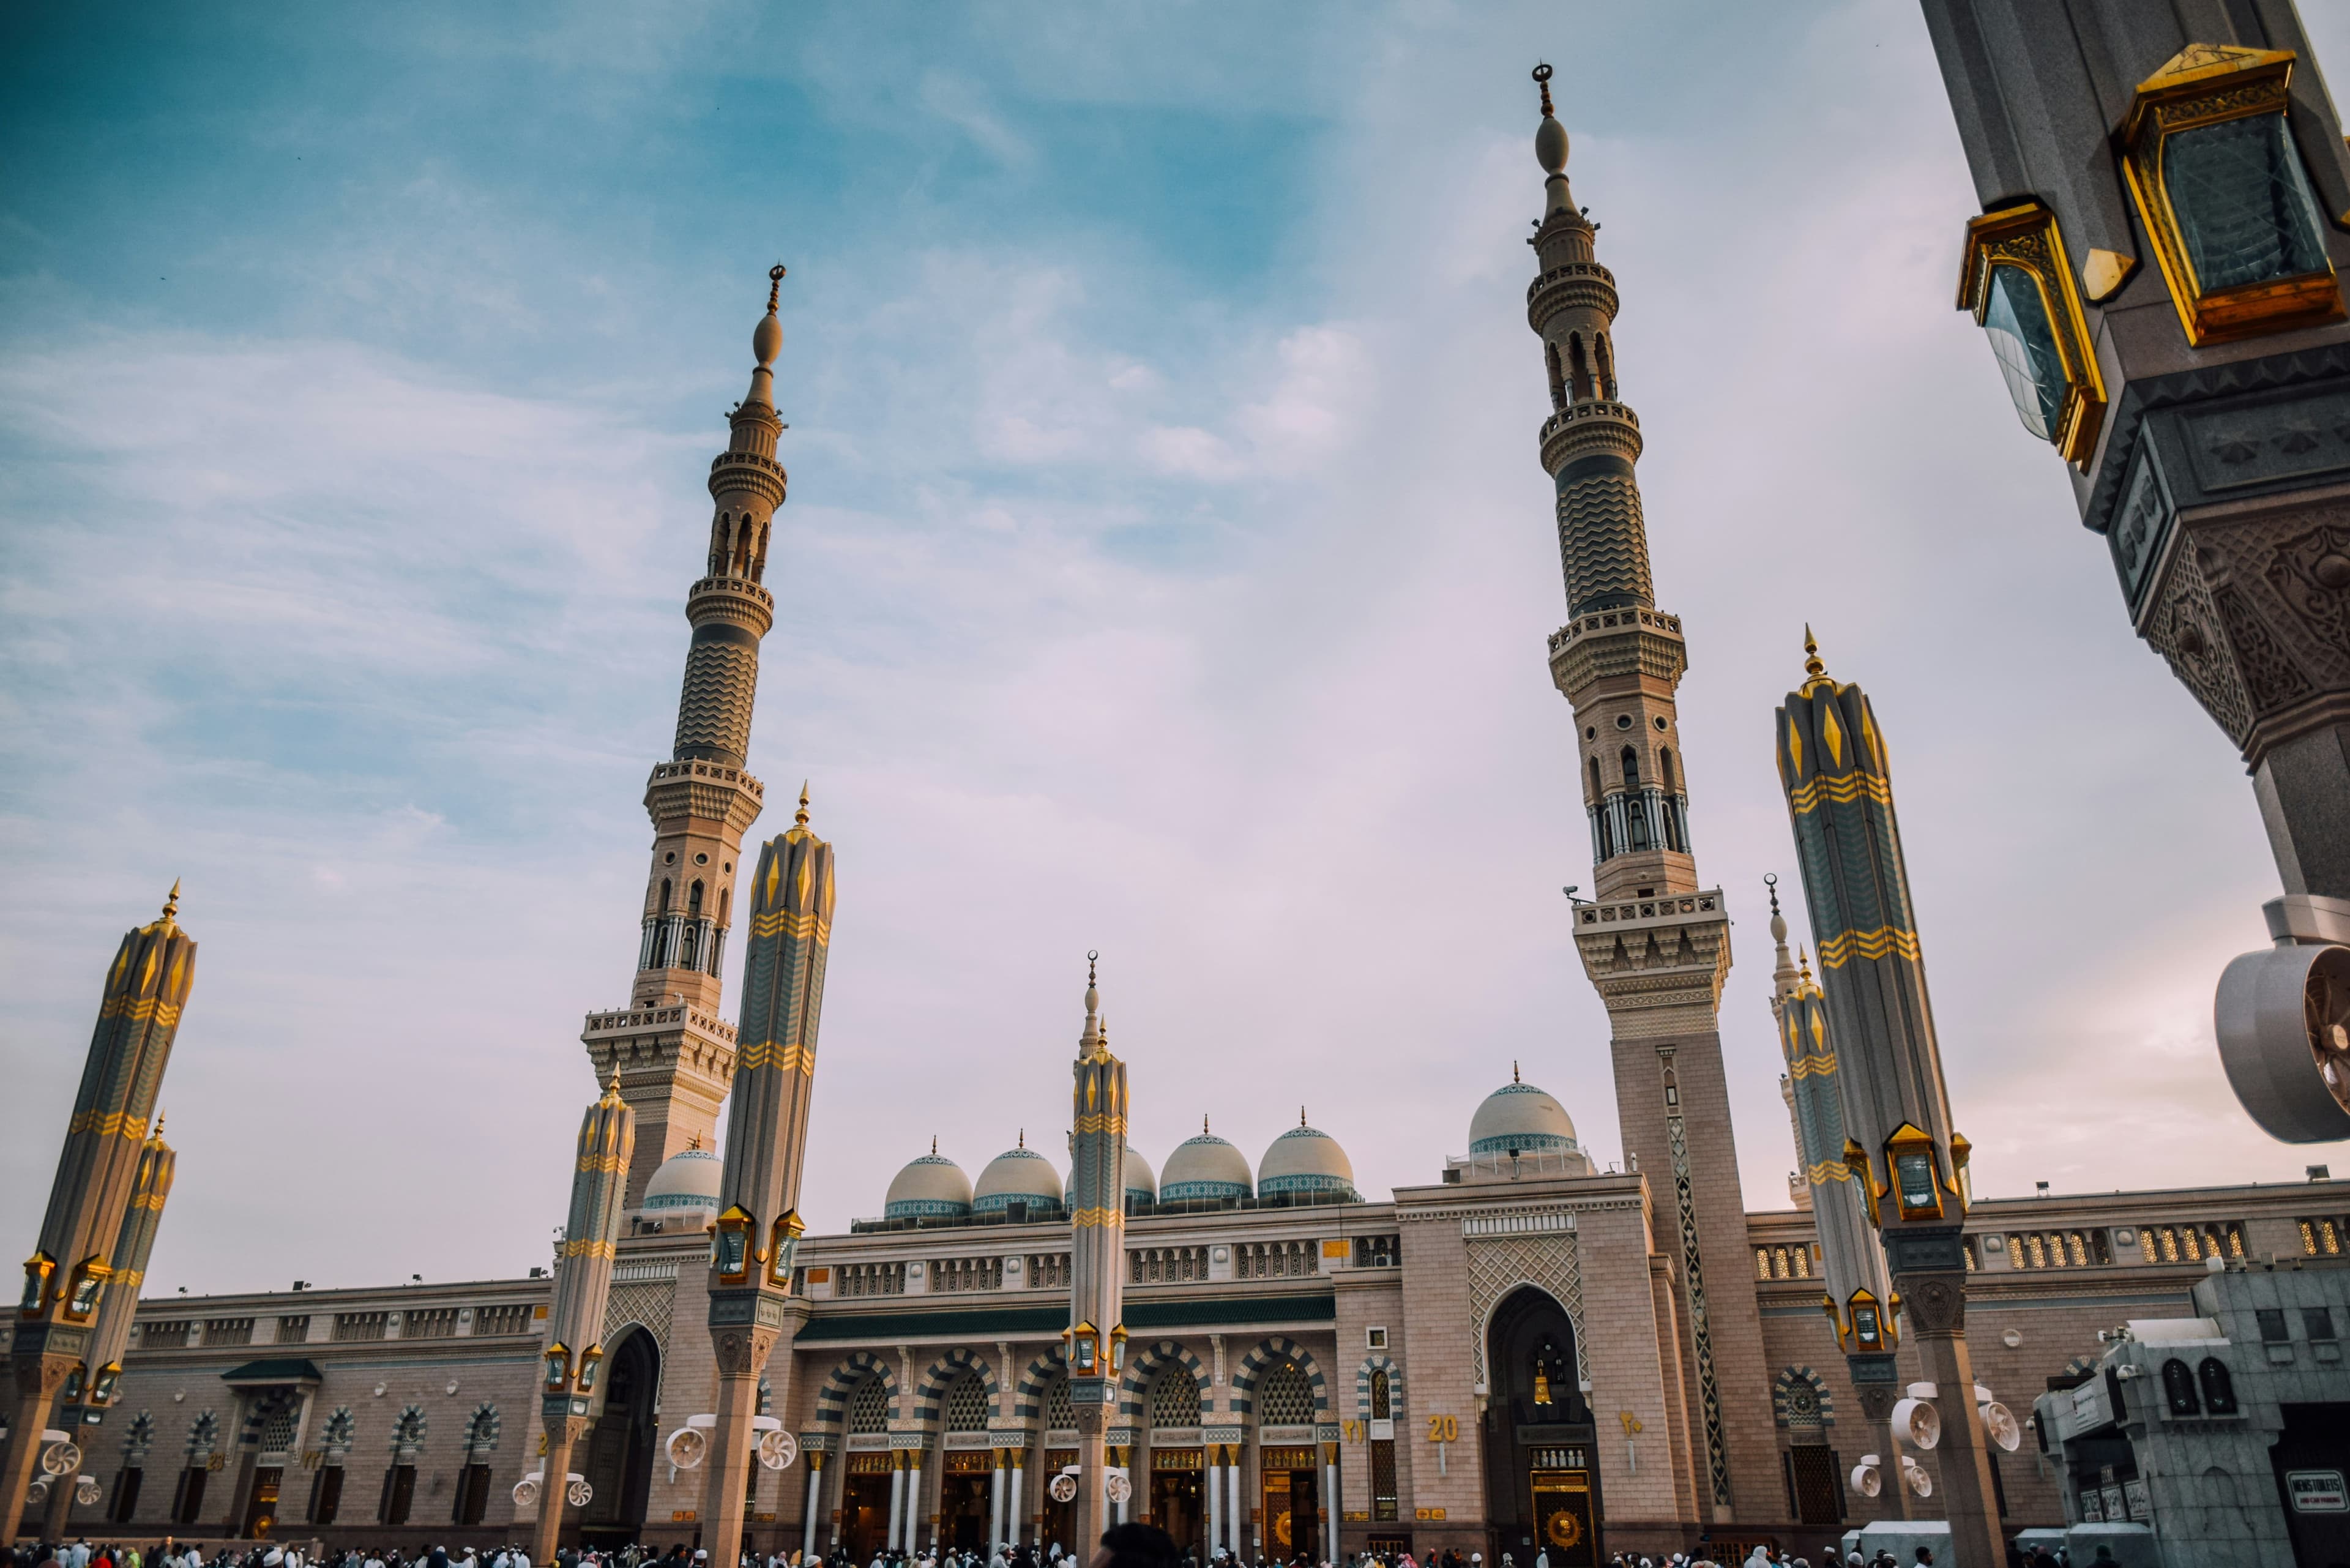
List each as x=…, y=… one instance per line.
x=171, y=901
x=1513, y=1074
x=159, y=1123
x=774, y=285
x=693, y=1140
x=1204, y=1126
x=799, y=818
x=1813, y=668
x=1301, y=1116
x=1803, y=963
x=612, y=1089
x=1771, y=880
x=1542, y=76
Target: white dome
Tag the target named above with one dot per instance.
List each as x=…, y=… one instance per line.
x=686, y=1180
x=1139, y=1182
x=1205, y=1167
x=1520, y=1117
x=1016, y=1176
x=932, y=1186
x=1305, y=1160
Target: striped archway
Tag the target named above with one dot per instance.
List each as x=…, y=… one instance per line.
x=1276, y=1349
x=832, y=1399
x=1029, y=1399
x=945, y=1370
x=1143, y=1367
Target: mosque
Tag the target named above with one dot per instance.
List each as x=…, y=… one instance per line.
x=1524, y=1351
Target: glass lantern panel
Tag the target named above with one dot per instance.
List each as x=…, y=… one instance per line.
x=1864, y=1326
x=2243, y=204
x=2025, y=347
x=1914, y=1172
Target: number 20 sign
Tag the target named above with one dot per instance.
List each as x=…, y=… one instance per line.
x=1444, y=1428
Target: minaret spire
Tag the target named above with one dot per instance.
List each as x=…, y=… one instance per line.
x=675, y=1052
x=1654, y=940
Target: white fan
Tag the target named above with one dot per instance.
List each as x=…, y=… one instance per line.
x=62, y=1459
x=2000, y=1422
x=1117, y=1488
x=688, y=1447
x=1920, y=1424
x=1865, y=1477
x=1064, y=1488
x=1919, y=1481
x=778, y=1449
x=525, y=1492
x=86, y=1491
x=578, y=1495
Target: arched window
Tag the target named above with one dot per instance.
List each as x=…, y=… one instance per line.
x=725, y=905
x=1558, y=387
x=1380, y=1410
x=694, y=899
x=1596, y=787
x=1578, y=367
x=759, y=556
x=868, y=1408
x=965, y=1405
x=2178, y=1389
x=1665, y=768
x=2219, y=1388
x=1631, y=768
x=1175, y=1398
x=668, y=897
x=1607, y=366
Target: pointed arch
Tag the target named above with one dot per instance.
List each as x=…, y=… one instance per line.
x=1631, y=760
x=1799, y=1397
x=1578, y=367
x=832, y=1399
x=1028, y=1400
x=1272, y=1349
x=1394, y=1370
x=1557, y=381
x=945, y=1370
x=1142, y=1369
x=1605, y=356
x=1665, y=767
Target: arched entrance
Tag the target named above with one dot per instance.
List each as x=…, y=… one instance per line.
x=1175, y=1502
x=1542, y=1478
x=618, y=1456
x=872, y=1473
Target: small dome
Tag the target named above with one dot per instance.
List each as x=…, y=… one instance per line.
x=1139, y=1182
x=1205, y=1167
x=1016, y=1176
x=1305, y=1160
x=932, y=1186
x=1520, y=1117
x=686, y=1180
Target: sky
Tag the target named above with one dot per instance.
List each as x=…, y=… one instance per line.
x=1167, y=572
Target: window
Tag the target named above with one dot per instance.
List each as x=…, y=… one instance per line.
x=966, y=1403
x=349, y=1325
x=1161, y=1265
x=2058, y=1249
x=1175, y=1398
x=870, y=1280
x=126, y=1494
x=2219, y=1388
x=1383, y=1466
x=1060, y=1415
x=293, y=1330
x=1048, y=1269
x=228, y=1331
x=188, y=1502
x=506, y=1317
x=2190, y=1244
x=2211, y=166
x=1275, y=1260
x=2178, y=1390
x=1377, y=1251
x=2272, y=1325
x=474, y=1494
x=967, y=1274
x=165, y=1336
x=868, y=1408
x=2321, y=1237
x=1285, y=1398
x=2317, y=1322
x=433, y=1322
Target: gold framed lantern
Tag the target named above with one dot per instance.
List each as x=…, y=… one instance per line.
x=2220, y=186
x=2017, y=282
x=1911, y=1161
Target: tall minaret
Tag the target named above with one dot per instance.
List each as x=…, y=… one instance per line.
x=758, y=1227
x=1858, y=1298
x=1096, y=1258
x=1907, y=1160
x=71, y=1272
x=1654, y=944
x=133, y=1246
x=569, y=1393
x=674, y=1053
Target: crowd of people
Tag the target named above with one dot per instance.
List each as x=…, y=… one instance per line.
x=1126, y=1546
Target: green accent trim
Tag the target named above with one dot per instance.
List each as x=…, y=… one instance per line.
x=285, y=1369
x=1301, y=1308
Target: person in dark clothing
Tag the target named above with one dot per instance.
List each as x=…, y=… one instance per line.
x=1135, y=1546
